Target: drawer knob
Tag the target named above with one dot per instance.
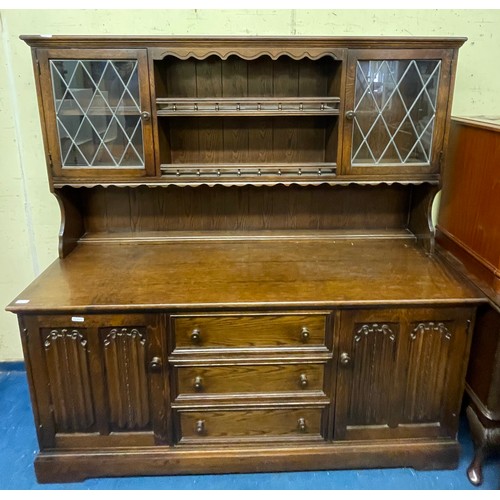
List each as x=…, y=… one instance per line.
x=200, y=427
x=345, y=359
x=304, y=334
x=303, y=380
x=195, y=336
x=198, y=384
x=155, y=364
x=301, y=424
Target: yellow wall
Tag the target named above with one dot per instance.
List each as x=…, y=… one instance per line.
x=30, y=215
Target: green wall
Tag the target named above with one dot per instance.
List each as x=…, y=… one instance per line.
x=29, y=213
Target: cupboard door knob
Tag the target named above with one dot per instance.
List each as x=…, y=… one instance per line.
x=303, y=380
x=345, y=359
x=349, y=115
x=301, y=424
x=145, y=115
x=200, y=427
x=155, y=364
x=304, y=334
x=198, y=384
x=195, y=336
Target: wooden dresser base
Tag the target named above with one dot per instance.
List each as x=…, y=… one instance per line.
x=78, y=465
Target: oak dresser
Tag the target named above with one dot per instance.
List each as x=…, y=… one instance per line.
x=247, y=278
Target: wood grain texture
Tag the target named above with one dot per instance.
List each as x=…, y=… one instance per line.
x=268, y=307
x=230, y=425
x=66, y=355
x=374, y=369
x=77, y=465
x=429, y=349
x=245, y=209
x=126, y=378
x=275, y=378
x=405, y=375
x=249, y=331
x=244, y=274
x=470, y=200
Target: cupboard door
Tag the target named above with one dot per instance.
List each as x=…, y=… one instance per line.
x=99, y=376
x=401, y=372
x=396, y=102
x=97, y=108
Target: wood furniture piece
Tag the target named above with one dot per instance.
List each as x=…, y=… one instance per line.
x=246, y=278
x=469, y=233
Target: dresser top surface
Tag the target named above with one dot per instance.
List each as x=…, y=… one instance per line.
x=243, y=274
x=242, y=41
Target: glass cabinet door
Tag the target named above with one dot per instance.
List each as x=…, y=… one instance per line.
x=396, y=107
x=99, y=112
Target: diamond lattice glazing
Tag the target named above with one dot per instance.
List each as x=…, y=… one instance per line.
x=394, y=112
x=98, y=113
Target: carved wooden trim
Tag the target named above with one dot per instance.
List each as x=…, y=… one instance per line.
x=58, y=335
x=373, y=372
x=247, y=53
x=374, y=328
x=66, y=356
x=127, y=382
x=428, y=357
x=430, y=326
x=160, y=42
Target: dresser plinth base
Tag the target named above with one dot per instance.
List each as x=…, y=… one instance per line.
x=74, y=466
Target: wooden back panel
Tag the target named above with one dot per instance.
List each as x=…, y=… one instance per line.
x=248, y=208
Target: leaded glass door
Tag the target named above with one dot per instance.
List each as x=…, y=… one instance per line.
x=393, y=123
x=98, y=109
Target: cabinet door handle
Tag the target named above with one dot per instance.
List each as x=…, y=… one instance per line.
x=155, y=364
x=301, y=424
x=303, y=380
x=145, y=115
x=198, y=384
x=349, y=115
x=305, y=334
x=345, y=359
x=195, y=336
x=200, y=427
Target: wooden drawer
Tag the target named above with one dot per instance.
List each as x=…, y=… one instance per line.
x=251, y=425
x=303, y=379
x=249, y=331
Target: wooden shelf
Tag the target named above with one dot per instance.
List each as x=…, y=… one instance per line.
x=245, y=170
x=248, y=106
x=269, y=235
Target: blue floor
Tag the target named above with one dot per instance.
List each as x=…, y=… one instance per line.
x=18, y=447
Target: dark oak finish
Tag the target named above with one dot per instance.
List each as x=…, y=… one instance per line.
x=267, y=306
x=201, y=275
x=50, y=107
x=469, y=231
x=409, y=361
x=249, y=331
x=442, y=96
x=199, y=381
x=289, y=424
